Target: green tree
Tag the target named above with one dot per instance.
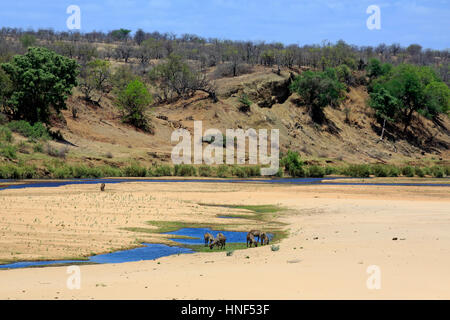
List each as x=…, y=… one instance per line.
x=120, y=34
x=415, y=89
x=318, y=90
x=133, y=101
x=437, y=96
x=376, y=69
x=41, y=81
x=5, y=90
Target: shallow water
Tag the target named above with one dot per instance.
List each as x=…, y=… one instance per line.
x=197, y=233
x=6, y=184
x=149, y=251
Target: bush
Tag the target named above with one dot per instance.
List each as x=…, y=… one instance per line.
x=316, y=171
x=419, y=172
x=447, y=170
x=34, y=132
x=5, y=134
x=358, y=170
x=329, y=170
x=239, y=172
x=135, y=170
x=63, y=172
x=437, y=172
x=162, y=171
x=393, y=171
x=205, y=171
x=223, y=171
x=17, y=172
x=280, y=173
x=8, y=151
x=185, y=170
x=380, y=170
x=293, y=164
x=111, y=172
x=253, y=171
x=408, y=171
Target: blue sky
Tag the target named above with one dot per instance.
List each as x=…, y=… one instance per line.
x=289, y=21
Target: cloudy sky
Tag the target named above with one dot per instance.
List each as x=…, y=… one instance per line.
x=289, y=21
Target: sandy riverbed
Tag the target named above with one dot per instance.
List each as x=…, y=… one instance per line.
x=335, y=233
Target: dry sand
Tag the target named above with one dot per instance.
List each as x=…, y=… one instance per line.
x=335, y=234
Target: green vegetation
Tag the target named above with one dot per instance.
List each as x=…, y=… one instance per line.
x=318, y=90
x=397, y=92
x=58, y=169
x=185, y=170
x=41, y=81
x=133, y=101
x=34, y=132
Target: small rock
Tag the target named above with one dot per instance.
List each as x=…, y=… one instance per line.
x=395, y=239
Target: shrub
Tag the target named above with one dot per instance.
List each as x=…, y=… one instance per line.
x=280, y=173
x=111, y=172
x=380, y=170
x=134, y=170
x=393, y=171
x=185, y=170
x=329, y=170
x=205, y=171
x=239, y=172
x=316, y=171
x=253, y=171
x=293, y=164
x=419, y=172
x=8, y=151
x=358, y=170
x=437, y=172
x=80, y=171
x=17, y=172
x=223, y=171
x=408, y=171
x=34, y=132
x=163, y=171
x=5, y=134
x=447, y=170
x=63, y=172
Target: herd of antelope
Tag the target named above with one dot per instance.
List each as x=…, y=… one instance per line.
x=220, y=240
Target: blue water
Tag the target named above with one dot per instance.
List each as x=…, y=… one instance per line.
x=323, y=181
x=232, y=236
x=149, y=251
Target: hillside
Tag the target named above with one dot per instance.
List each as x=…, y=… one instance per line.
x=98, y=135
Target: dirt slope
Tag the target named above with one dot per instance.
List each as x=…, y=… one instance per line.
x=98, y=136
